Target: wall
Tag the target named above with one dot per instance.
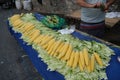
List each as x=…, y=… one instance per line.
x=55, y=6
x=64, y=6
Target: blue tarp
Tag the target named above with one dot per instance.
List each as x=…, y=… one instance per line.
x=113, y=70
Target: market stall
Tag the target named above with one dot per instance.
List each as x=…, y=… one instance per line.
x=53, y=66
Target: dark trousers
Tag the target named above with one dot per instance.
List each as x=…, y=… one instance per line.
x=95, y=29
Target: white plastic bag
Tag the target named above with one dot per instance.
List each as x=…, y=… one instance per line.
x=113, y=15
x=18, y=4
x=67, y=31
x=27, y=5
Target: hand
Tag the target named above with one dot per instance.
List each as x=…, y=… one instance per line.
x=102, y=6
x=92, y=6
x=97, y=5
x=106, y=7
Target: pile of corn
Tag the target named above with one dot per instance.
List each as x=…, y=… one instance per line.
x=56, y=48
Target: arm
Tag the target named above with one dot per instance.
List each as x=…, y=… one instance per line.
x=85, y=4
x=104, y=7
x=110, y=2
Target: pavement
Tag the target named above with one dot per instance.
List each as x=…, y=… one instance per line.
x=14, y=63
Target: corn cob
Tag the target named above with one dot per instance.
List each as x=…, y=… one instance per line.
x=70, y=61
x=60, y=47
x=35, y=35
x=29, y=33
x=48, y=38
x=54, y=49
x=43, y=39
x=27, y=26
x=20, y=25
x=45, y=46
x=37, y=40
x=13, y=18
x=63, y=51
x=92, y=62
x=28, y=30
x=17, y=22
x=68, y=54
x=86, y=58
x=98, y=59
x=49, y=44
x=76, y=60
x=80, y=63
x=57, y=50
x=51, y=49
x=82, y=59
x=89, y=66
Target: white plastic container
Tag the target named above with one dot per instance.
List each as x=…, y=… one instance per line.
x=27, y=5
x=18, y=4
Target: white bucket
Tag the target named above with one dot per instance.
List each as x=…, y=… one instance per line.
x=27, y=5
x=18, y=4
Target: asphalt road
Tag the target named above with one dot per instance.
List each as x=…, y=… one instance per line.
x=14, y=63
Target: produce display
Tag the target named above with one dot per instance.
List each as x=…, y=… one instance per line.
x=75, y=59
